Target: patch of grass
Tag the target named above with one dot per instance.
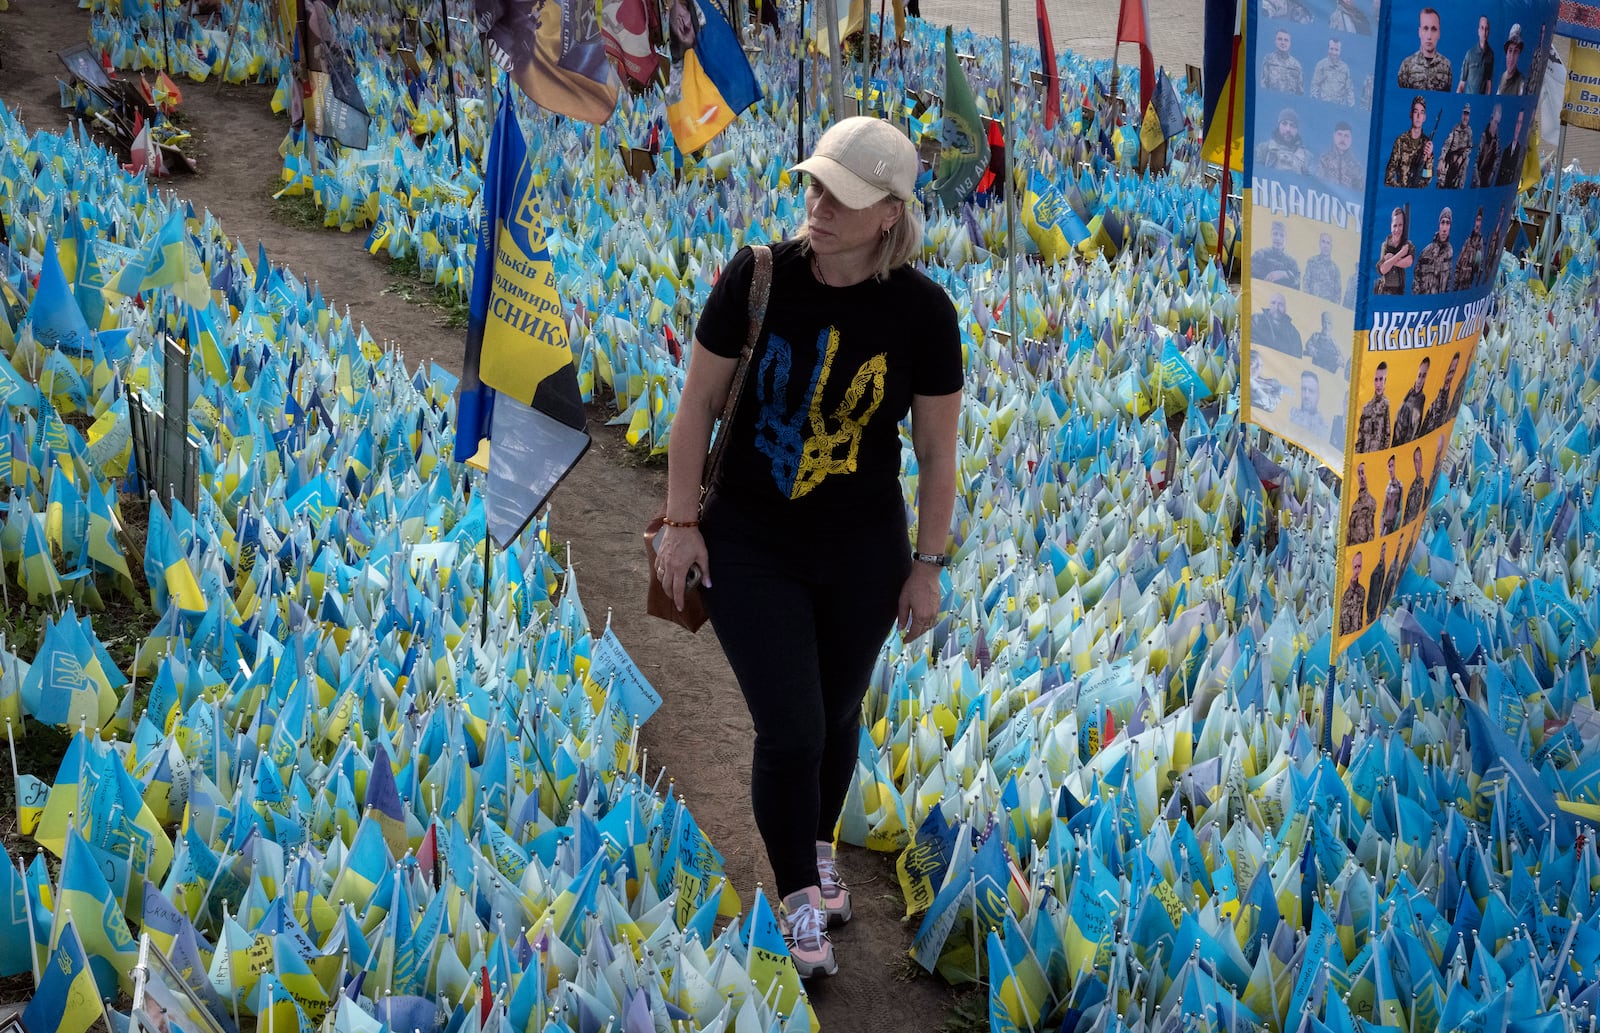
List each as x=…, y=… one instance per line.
x=410, y=287
x=296, y=211
x=970, y=1013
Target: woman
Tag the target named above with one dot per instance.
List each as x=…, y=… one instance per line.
x=803, y=548
x=1396, y=255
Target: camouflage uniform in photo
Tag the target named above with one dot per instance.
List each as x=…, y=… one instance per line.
x=1352, y=608
x=1341, y=167
x=1331, y=82
x=1426, y=72
x=1432, y=275
x=1469, y=261
x=1282, y=72
x=1408, y=419
x=1323, y=279
x=1391, y=508
x=1363, y=512
x=1323, y=352
x=1453, y=161
x=1414, y=499
x=1372, y=433
x=1405, y=161
x=1276, y=153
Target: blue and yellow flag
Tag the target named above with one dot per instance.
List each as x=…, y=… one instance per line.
x=714, y=85
x=67, y=1000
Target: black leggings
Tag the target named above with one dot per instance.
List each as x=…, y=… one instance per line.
x=802, y=630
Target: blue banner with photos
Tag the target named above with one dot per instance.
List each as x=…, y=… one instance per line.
x=1451, y=116
x=1310, y=108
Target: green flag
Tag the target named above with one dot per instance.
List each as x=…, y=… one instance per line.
x=964, y=150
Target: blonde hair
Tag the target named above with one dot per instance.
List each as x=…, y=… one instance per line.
x=902, y=245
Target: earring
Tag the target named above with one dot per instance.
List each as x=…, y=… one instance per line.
x=884, y=235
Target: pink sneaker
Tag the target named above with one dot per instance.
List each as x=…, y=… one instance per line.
x=804, y=925
x=835, y=894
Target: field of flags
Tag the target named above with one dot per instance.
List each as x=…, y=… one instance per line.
x=329, y=795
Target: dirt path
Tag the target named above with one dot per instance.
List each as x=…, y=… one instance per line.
x=701, y=734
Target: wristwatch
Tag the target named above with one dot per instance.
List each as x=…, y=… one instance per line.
x=937, y=559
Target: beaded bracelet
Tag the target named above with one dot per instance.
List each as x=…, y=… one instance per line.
x=935, y=558
x=679, y=523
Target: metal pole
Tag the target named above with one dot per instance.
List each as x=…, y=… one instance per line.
x=488, y=579
x=830, y=13
x=166, y=54
x=800, y=87
x=1555, y=197
x=450, y=84
x=1012, y=319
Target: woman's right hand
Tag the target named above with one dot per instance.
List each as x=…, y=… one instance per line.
x=678, y=550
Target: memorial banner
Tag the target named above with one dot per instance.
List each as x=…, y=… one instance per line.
x=1452, y=109
x=1311, y=84
x=1582, y=104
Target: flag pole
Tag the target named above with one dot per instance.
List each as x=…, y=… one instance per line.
x=450, y=83
x=166, y=51
x=830, y=13
x=1013, y=321
x=800, y=86
x=1226, y=178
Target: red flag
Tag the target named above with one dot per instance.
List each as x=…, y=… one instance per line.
x=1052, y=75
x=1133, y=26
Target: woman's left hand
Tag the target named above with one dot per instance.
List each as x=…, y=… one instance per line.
x=919, y=600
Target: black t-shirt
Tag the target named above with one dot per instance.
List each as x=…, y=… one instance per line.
x=815, y=441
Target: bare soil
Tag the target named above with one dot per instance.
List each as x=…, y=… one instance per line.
x=702, y=734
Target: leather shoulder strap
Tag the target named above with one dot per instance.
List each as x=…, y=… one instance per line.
x=760, y=291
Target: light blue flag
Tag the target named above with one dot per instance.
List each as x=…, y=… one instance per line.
x=57, y=321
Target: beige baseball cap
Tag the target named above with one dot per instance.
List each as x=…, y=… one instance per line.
x=862, y=160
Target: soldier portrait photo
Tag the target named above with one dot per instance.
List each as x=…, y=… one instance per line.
x=1353, y=603
x=1417, y=490
x=1453, y=163
x=1372, y=433
x=1380, y=581
x=1363, y=511
x=1435, y=262
x=1396, y=255
x=1331, y=80
x=1322, y=349
x=1266, y=393
x=1307, y=416
x=1280, y=70
x=1339, y=165
x=1273, y=264
x=1392, y=500
x=1408, y=418
x=1284, y=150
x=1427, y=69
x=1512, y=83
x=1477, y=68
x=1511, y=157
x=1488, y=163
x=1322, y=272
x=1497, y=244
x=1272, y=328
x=1412, y=151
x=1444, y=403
x=1469, y=260
x=1288, y=10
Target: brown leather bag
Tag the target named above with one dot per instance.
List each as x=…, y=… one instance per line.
x=658, y=601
